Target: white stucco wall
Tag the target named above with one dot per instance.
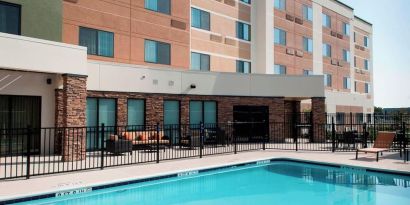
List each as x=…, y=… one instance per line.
x=128, y=78
x=262, y=37
x=31, y=54
x=347, y=99
x=32, y=84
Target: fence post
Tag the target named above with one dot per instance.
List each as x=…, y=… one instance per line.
x=374, y=127
x=201, y=138
x=404, y=143
x=311, y=131
x=296, y=129
x=333, y=135
x=157, y=136
x=266, y=135
x=28, y=147
x=364, y=135
x=235, y=151
x=102, y=144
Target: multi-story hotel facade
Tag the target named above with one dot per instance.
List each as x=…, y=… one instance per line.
x=136, y=62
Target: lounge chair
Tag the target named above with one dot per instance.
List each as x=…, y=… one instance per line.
x=382, y=143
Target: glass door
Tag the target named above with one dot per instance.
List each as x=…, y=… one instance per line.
x=16, y=114
x=100, y=111
x=172, y=119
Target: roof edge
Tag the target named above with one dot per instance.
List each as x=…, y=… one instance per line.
x=364, y=21
x=343, y=4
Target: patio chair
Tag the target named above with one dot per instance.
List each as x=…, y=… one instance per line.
x=383, y=142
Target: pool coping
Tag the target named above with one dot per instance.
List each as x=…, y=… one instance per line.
x=185, y=172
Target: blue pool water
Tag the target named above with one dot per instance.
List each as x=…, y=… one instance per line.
x=276, y=183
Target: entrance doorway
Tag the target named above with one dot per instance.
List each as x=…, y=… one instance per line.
x=16, y=114
x=251, y=122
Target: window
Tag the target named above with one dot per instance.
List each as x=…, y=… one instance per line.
x=346, y=83
x=200, y=62
x=280, y=4
x=171, y=112
x=359, y=118
x=172, y=119
x=346, y=29
x=280, y=36
x=157, y=52
x=354, y=37
x=280, y=69
x=355, y=86
x=355, y=61
x=246, y=1
x=202, y=111
x=99, y=111
x=308, y=44
x=340, y=118
x=366, y=88
x=328, y=80
x=98, y=42
x=307, y=72
x=307, y=13
x=327, y=50
x=243, y=31
x=162, y=6
x=366, y=64
x=346, y=55
x=200, y=19
x=136, y=113
x=243, y=66
x=366, y=41
x=326, y=21
x=10, y=18
x=369, y=118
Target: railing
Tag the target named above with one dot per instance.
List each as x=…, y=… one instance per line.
x=58, y=150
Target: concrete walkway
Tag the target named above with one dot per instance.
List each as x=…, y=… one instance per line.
x=45, y=184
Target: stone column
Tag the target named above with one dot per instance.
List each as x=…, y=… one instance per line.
x=70, y=117
x=319, y=119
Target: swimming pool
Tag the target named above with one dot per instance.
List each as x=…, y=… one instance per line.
x=266, y=182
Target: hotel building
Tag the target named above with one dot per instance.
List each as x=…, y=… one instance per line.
x=136, y=62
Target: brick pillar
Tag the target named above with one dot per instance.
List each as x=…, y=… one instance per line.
x=319, y=119
x=277, y=120
x=122, y=111
x=184, y=110
x=70, y=113
x=154, y=109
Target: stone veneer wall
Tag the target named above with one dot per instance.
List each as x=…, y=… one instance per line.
x=154, y=105
x=70, y=112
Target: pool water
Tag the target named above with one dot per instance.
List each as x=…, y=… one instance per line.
x=275, y=183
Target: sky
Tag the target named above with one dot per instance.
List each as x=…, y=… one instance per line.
x=391, y=48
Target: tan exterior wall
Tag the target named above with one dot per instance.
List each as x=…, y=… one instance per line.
x=361, y=53
x=335, y=65
x=286, y=55
x=131, y=23
x=221, y=42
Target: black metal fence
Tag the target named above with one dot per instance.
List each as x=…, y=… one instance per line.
x=59, y=150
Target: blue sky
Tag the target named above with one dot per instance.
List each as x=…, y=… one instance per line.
x=391, y=57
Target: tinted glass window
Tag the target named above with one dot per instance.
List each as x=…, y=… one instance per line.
x=10, y=18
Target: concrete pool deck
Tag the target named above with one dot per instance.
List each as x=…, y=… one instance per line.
x=17, y=188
